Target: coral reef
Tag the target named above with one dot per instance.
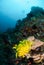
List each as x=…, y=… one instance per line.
x=32, y=25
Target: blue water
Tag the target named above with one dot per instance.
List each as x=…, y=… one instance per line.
x=12, y=10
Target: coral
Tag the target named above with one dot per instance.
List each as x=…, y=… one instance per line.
x=32, y=25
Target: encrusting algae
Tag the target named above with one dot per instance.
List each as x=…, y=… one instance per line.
x=23, y=48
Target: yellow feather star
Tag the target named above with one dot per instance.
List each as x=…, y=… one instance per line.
x=23, y=48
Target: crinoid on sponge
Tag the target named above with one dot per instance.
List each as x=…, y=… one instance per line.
x=23, y=48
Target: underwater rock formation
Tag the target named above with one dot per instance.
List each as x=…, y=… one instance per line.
x=32, y=25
